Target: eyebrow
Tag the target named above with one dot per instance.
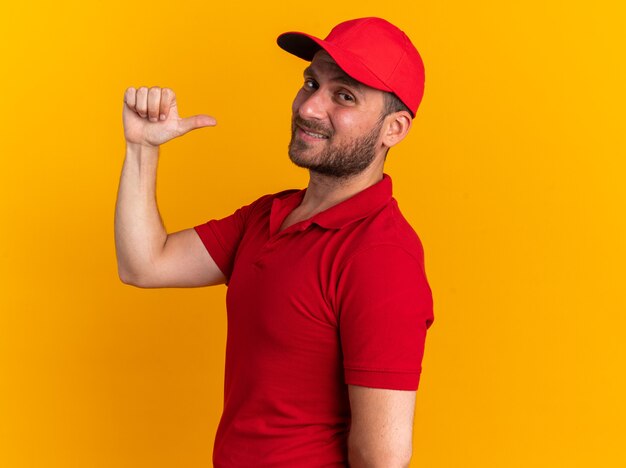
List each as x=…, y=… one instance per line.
x=342, y=78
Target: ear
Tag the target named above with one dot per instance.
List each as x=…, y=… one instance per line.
x=397, y=125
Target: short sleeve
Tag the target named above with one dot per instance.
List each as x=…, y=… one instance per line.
x=384, y=307
x=222, y=237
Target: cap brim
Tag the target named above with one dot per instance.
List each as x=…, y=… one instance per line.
x=306, y=46
x=299, y=44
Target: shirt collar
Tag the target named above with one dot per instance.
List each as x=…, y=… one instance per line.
x=358, y=206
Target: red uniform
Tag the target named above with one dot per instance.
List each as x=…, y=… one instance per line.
x=340, y=298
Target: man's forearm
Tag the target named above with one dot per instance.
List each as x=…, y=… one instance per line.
x=139, y=230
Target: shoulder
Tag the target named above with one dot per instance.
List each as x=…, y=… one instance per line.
x=384, y=264
x=383, y=232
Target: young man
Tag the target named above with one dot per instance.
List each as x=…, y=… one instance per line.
x=328, y=301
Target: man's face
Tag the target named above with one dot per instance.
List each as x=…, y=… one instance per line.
x=336, y=124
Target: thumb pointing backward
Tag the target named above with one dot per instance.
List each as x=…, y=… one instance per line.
x=195, y=121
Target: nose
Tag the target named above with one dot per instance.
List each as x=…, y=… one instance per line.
x=311, y=106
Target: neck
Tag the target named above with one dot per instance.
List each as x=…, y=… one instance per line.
x=325, y=191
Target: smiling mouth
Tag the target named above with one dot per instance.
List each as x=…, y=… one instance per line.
x=311, y=134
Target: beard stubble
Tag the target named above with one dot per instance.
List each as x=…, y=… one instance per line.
x=338, y=161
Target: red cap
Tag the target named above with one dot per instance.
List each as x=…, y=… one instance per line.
x=370, y=50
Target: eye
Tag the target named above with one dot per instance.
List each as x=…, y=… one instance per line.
x=309, y=83
x=345, y=97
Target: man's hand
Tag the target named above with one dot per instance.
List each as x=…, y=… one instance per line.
x=151, y=117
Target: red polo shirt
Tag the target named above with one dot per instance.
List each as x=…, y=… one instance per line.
x=340, y=298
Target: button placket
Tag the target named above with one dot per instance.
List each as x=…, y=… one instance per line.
x=272, y=243
x=267, y=249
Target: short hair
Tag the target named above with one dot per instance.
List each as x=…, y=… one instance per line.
x=393, y=104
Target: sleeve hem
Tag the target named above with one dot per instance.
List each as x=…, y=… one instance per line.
x=396, y=380
x=213, y=246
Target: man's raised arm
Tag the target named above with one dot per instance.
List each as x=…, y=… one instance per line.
x=146, y=255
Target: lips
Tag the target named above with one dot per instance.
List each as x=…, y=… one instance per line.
x=312, y=134
x=311, y=129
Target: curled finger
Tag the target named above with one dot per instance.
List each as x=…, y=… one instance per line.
x=141, y=103
x=168, y=98
x=130, y=97
x=154, y=103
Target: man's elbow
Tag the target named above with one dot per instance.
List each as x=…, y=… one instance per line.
x=368, y=458
x=129, y=279
x=124, y=278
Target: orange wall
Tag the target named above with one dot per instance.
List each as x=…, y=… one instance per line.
x=513, y=176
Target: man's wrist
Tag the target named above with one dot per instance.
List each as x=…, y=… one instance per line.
x=141, y=148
